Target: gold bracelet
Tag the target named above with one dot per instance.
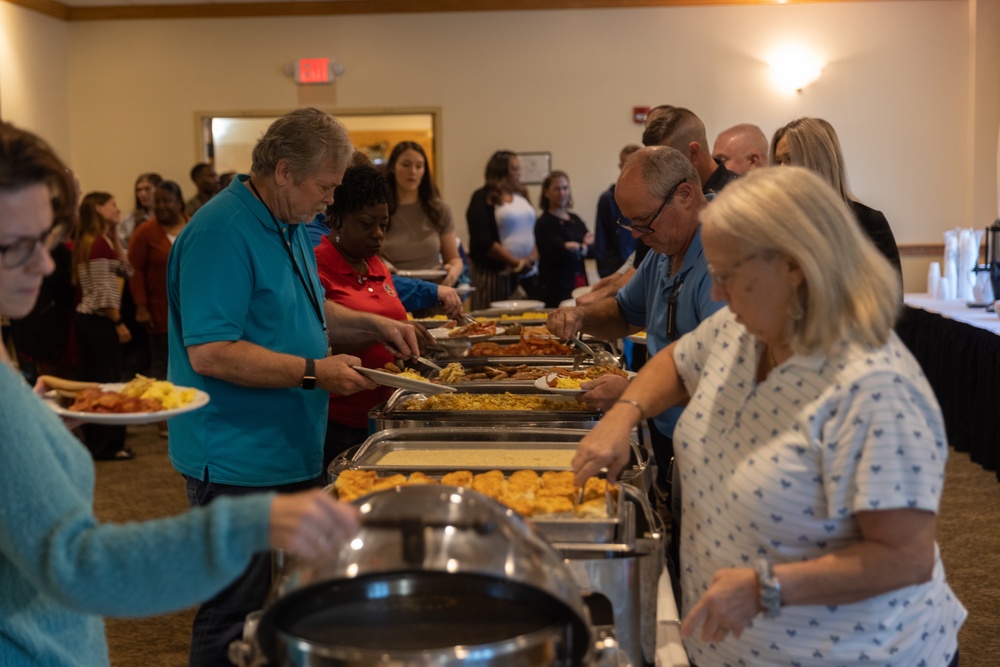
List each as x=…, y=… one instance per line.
x=634, y=404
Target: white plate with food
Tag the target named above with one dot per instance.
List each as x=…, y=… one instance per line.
x=543, y=384
x=402, y=382
x=573, y=383
x=639, y=338
x=56, y=400
x=473, y=332
x=522, y=304
x=423, y=274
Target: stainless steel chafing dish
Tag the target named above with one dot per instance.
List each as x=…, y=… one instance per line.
x=368, y=455
x=392, y=414
x=438, y=576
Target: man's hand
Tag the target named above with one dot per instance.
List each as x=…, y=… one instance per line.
x=335, y=375
x=565, y=322
x=450, y=301
x=602, y=392
x=400, y=338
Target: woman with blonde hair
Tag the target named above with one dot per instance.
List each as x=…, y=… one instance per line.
x=99, y=265
x=811, y=449
x=812, y=143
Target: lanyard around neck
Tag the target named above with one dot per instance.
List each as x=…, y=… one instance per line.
x=313, y=299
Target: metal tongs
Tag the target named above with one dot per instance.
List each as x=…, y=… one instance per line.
x=427, y=362
x=601, y=358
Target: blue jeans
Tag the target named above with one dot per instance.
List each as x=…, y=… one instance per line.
x=219, y=621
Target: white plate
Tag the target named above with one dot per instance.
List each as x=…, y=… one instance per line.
x=423, y=274
x=543, y=384
x=636, y=338
x=567, y=303
x=580, y=291
x=393, y=380
x=442, y=334
x=527, y=304
x=465, y=289
x=124, y=418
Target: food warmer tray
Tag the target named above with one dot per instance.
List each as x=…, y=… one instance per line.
x=615, y=532
x=458, y=349
x=391, y=414
x=367, y=455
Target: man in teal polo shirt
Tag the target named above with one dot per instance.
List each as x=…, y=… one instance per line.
x=248, y=324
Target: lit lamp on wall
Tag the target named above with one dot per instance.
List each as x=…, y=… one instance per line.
x=794, y=68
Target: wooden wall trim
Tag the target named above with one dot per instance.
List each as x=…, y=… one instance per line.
x=335, y=7
x=922, y=250
x=47, y=7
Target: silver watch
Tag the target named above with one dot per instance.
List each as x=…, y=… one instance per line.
x=769, y=588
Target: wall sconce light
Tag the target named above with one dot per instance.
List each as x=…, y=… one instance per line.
x=794, y=68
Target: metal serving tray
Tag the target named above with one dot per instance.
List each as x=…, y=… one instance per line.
x=617, y=529
x=367, y=455
x=390, y=415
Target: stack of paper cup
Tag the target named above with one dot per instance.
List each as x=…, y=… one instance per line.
x=933, y=278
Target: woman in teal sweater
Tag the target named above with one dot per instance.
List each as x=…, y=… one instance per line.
x=61, y=570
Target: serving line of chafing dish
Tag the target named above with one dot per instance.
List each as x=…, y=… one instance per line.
x=602, y=591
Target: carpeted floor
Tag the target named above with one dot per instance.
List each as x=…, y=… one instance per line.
x=148, y=487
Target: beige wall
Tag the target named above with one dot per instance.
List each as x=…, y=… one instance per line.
x=33, y=74
x=565, y=82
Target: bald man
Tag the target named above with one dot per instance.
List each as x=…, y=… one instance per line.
x=741, y=148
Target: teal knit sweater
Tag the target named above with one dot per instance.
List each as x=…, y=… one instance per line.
x=61, y=570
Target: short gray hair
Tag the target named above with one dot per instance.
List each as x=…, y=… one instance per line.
x=662, y=168
x=306, y=138
x=850, y=292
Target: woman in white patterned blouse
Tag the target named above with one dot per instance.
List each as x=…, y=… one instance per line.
x=811, y=450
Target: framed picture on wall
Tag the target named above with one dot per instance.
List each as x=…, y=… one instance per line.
x=535, y=167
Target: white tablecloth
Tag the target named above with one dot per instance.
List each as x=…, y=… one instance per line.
x=955, y=310
x=669, y=649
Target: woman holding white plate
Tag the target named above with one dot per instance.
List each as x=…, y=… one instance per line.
x=60, y=569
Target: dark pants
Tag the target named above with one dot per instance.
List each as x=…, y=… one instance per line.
x=219, y=621
x=100, y=361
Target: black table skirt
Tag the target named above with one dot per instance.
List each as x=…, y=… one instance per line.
x=962, y=364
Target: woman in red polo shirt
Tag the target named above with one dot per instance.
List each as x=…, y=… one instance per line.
x=353, y=275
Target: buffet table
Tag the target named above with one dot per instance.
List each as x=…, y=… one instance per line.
x=959, y=350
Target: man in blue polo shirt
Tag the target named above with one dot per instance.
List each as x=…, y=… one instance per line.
x=660, y=192
x=249, y=325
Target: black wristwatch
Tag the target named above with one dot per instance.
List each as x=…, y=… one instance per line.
x=769, y=588
x=309, y=377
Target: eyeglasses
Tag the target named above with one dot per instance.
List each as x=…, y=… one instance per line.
x=721, y=279
x=648, y=228
x=20, y=251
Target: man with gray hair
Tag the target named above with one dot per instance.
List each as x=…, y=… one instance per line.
x=670, y=294
x=248, y=325
x=741, y=148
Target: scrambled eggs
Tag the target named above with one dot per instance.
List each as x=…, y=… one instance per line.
x=165, y=392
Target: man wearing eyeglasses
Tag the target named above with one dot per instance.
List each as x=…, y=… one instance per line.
x=660, y=192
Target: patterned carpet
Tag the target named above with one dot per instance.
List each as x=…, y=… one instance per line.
x=968, y=533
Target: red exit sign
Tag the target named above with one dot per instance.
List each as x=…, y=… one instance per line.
x=313, y=70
